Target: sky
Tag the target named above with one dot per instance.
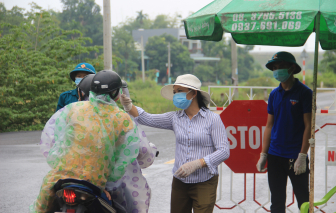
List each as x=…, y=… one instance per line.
x=121, y=9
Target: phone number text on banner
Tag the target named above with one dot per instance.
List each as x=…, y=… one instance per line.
x=267, y=21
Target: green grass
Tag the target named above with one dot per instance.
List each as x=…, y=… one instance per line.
x=148, y=96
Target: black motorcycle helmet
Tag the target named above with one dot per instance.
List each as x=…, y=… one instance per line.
x=106, y=82
x=85, y=86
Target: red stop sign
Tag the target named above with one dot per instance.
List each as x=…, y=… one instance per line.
x=245, y=122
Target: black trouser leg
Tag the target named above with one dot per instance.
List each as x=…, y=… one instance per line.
x=300, y=185
x=277, y=181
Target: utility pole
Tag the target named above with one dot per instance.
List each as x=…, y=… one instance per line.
x=169, y=81
x=234, y=66
x=142, y=58
x=169, y=65
x=107, y=36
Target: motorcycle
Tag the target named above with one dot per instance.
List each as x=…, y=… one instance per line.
x=79, y=196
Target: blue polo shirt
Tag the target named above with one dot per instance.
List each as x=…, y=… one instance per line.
x=288, y=108
x=66, y=98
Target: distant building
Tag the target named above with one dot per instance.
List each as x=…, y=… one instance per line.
x=194, y=46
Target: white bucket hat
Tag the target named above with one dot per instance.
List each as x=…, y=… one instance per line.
x=188, y=81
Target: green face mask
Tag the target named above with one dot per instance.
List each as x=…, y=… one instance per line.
x=281, y=74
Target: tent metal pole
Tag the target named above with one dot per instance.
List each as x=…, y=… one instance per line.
x=313, y=117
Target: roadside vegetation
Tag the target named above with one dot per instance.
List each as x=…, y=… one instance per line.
x=38, y=49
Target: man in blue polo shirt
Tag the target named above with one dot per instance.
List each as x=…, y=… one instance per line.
x=80, y=71
x=285, y=144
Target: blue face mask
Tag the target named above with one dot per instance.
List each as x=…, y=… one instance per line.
x=281, y=74
x=78, y=80
x=180, y=100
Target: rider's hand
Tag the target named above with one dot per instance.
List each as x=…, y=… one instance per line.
x=126, y=102
x=186, y=169
x=300, y=164
x=152, y=145
x=261, y=163
x=107, y=194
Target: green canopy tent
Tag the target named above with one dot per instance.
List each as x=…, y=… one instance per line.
x=270, y=22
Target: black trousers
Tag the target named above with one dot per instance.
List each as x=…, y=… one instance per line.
x=278, y=170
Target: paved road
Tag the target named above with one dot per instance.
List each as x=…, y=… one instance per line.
x=22, y=168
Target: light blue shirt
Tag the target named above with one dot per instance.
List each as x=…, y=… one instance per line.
x=203, y=136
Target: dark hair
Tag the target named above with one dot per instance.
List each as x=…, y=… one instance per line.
x=200, y=100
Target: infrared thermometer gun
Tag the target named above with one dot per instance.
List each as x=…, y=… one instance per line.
x=124, y=88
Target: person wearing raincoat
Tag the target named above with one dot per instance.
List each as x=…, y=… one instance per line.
x=131, y=192
x=93, y=140
x=76, y=75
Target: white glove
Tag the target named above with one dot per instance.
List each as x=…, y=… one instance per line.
x=261, y=162
x=186, y=169
x=300, y=164
x=126, y=102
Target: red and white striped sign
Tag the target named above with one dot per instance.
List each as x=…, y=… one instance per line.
x=325, y=111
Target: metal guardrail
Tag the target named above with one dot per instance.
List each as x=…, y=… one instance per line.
x=328, y=110
x=229, y=96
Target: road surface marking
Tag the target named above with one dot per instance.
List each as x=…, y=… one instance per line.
x=170, y=162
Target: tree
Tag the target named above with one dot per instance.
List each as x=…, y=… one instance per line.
x=123, y=47
x=132, y=24
x=141, y=17
x=223, y=70
x=166, y=21
x=33, y=76
x=328, y=63
x=246, y=64
x=176, y=21
x=157, y=50
x=161, y=21
x=205, y=73
x=85, y=16
x=222, y=49
x=14, y=16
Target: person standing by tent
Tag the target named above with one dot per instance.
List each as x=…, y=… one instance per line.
x=288, y=128
x=201, y=143
x=76, y=75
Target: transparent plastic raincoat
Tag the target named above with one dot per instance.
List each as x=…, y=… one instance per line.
x=93, y=140
x=132, y=191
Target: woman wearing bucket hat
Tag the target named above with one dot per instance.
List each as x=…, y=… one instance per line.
x=201, y=143
x=76, y=75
